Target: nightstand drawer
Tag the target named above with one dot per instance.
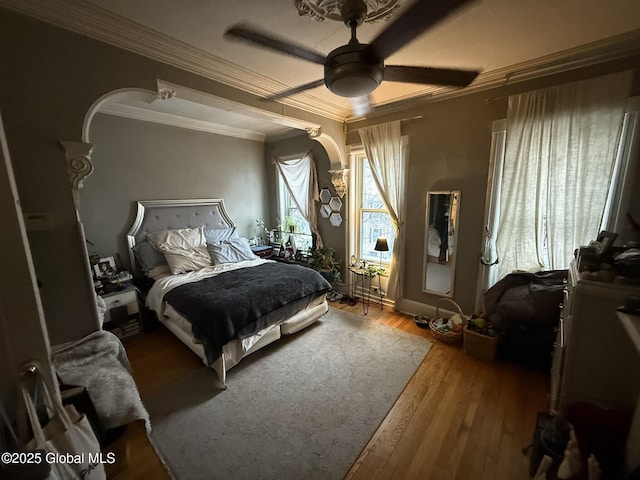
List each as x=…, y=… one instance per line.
x=127, y=297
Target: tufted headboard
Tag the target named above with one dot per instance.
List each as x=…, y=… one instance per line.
x=155, y=215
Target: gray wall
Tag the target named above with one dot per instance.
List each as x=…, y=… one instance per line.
x=50, y=78
x=135, y=160
x=449, y=148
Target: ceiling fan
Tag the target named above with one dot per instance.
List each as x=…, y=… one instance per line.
x=355, y=70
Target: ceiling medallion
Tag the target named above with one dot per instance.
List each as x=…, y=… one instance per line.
x=377, y=10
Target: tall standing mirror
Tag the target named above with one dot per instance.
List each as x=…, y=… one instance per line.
x=441, y=242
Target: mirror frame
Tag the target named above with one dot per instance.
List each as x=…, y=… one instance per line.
x=452, y=261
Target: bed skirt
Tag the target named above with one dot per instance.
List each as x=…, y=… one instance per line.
x=236, y=350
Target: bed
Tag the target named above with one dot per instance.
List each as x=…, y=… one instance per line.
x=222, y=301
x=433, y=244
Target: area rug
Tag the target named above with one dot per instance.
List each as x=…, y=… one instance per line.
x=301, y=408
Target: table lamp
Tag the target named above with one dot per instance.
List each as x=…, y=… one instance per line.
x=381, y=246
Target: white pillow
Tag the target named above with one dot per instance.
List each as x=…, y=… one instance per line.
x=188, y=260
x=185, y=249
x=230, y=251
x=217, y=235
x=181, y=238
x=242, y=246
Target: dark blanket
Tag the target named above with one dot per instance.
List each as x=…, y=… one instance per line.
x=240, y=303
x=526, y=299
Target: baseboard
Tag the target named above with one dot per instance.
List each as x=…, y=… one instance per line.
x=413, y=308
x=374, y=298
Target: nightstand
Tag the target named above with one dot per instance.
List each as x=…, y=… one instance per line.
x=364, y=277
x=122, y=315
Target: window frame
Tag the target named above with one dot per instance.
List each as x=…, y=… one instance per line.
x=281, y=208
x=358, y=157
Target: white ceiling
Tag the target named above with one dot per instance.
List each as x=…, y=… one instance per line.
x=502, y=38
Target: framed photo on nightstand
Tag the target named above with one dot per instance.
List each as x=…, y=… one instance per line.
x=105, y=267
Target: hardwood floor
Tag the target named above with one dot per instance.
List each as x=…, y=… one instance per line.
x=458, y=417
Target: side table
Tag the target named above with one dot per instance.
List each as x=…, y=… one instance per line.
x=364, y=277
x=122, y=315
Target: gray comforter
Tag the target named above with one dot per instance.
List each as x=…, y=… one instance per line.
x=239, y=303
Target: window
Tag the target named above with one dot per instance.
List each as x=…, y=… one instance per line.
x=289, y=214
x=618, y=185
x=371, y=217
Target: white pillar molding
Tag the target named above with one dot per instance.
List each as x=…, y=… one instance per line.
x=79, y=165
x=339, y=174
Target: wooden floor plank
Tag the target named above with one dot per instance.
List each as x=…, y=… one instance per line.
x=457, y=418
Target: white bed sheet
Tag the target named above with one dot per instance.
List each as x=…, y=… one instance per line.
x=236, y=350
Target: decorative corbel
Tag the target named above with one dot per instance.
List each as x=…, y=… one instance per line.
x=340, y=180
x=79, y=165
x=313, y=132
x=165, y=93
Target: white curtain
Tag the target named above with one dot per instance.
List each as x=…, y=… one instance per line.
x=301, y=179
x=385, y=153
x=489, y=259
x=560, y=149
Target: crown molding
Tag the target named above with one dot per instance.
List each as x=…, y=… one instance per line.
x=139, y=105
x=100, y=24
x=136, y=113
x=609, y=50
x=92, y=21
x=202, y=98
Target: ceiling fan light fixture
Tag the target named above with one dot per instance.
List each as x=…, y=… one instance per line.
x=352, y=86
x=353, y=71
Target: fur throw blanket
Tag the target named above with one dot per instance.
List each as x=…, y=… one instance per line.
x=99, y=363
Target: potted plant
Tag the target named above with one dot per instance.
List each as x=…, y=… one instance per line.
x=325, y=262
x=289, y=224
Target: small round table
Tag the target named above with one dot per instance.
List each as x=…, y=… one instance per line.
x=364, y=276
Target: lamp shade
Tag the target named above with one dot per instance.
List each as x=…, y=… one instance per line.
x=381, y=245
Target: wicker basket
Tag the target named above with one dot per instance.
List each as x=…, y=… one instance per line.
x=479, y=346
x=450, y=336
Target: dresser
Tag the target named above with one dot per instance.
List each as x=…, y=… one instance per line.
x=631, y=324
x=594, y=359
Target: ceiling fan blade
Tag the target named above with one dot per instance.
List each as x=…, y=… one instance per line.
x=421, y=15
x=361, y=105
x=293, y=91
x=433, y=76
x=266, y=40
